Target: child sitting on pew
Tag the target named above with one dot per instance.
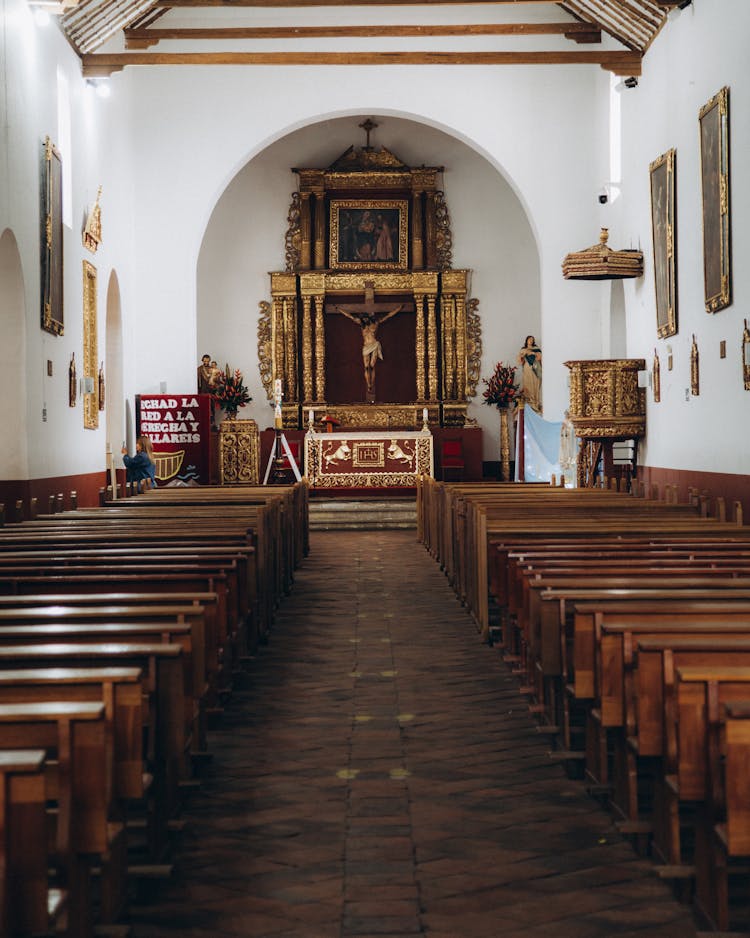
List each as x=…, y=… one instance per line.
x=141, y=468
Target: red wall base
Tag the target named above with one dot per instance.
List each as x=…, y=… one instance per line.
x=86, y=486
x=730, y=487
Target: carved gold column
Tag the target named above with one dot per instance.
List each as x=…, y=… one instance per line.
x=320, y=350
x=320, y=229
x=305, y=230
x=460, y=348
x=307, y=359
x=277, y=337
x=432, y=347
x=419, y=346
x=448, y=309
x=417, y=246
x=290, y=349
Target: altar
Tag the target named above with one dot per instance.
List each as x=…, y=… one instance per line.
x=368, y=459
x=369, y=325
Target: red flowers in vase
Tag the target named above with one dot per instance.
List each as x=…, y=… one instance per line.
x=502, y=391
x=229, y=392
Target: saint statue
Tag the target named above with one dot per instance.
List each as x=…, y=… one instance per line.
x=371, y=348
x=530, y=360
x=205, y=375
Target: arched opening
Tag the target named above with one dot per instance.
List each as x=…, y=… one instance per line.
x=13, y=378
x=113, y=369
x=244, y=239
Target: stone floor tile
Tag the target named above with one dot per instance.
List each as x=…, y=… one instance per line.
x=377, y=775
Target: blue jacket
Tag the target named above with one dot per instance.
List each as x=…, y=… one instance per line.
x=139, y=467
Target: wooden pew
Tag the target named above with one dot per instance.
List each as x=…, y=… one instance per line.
x=24, y=891
x=120, y=691
x=727, y=846
x=74, y=735
x=161, y=665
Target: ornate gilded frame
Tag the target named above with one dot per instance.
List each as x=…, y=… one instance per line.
x=52, y=242
x=664, y=232
x=90, y=348
x=361, y=216
x=714, y=133
x=746, y=356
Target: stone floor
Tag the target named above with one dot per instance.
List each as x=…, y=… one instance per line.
x=377, y=774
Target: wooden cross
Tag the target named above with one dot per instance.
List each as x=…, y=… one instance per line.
x=369, y=308
x=368, y=126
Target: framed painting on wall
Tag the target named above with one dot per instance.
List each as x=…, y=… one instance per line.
x=367, y=233
x=664, y=232
x=714, y=132
x=52, y=241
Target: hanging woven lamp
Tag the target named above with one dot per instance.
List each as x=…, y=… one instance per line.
x=600, y=262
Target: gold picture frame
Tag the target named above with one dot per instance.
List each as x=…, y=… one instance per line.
x=746, y=356
x=90, y=348
x=368, y=234
x=664, y=233
x=52, y=241
x=714, y=136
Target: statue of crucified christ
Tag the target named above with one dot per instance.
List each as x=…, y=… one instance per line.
x=368, y=320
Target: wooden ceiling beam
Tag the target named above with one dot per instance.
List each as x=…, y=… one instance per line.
x=100, y=65
x=233, y=4
x=143, y=38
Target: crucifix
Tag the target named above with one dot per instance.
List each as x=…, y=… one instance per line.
x=368, y=126
x=368, y=316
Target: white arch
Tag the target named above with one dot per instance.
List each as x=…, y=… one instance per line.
x=312, y=120
x=113, y=368
x=13, y=377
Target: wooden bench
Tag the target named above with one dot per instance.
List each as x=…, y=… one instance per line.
x=120, y=691
x=161, y=665
x=24, y=891
x=73, y=735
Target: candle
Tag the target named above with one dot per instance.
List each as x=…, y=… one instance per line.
x=310, y=417
x=424, y=415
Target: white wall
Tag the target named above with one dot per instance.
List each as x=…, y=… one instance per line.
x=703, y=49
x=99, y=156
x=170, y=141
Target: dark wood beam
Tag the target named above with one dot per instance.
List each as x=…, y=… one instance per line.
x=142, y=38
x=233, y=4
x=98, y=65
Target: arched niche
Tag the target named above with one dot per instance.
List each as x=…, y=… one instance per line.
x=244, y=240
x=113, y=368
x=13, y=378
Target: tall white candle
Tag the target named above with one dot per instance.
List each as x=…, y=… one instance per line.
x=424, y=415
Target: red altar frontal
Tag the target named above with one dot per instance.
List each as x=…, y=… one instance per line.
x=372, y=459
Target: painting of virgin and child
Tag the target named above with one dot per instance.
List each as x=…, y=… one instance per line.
x=369, y=236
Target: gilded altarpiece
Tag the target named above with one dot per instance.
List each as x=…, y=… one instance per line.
x=368, y=260
x=90, y=349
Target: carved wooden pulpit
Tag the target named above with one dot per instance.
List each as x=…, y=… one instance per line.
x=606, y=406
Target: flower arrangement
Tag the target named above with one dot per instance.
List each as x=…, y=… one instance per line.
x=502, y=391
x=229, y=392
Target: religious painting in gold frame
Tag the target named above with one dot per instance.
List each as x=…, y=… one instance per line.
x=369, y=233
x=714, y=133
x=52, y=241
x=664, y=231
x=90, y=349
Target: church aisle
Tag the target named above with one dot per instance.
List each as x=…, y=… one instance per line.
x=377, y=774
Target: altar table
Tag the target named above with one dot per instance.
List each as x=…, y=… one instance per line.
x=368, y=459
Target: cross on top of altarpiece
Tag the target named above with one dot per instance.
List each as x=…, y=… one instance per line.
x=368, y=126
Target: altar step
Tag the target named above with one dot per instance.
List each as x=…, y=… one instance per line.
x=370, y=514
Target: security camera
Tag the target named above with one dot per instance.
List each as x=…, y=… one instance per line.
x=603, y=197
